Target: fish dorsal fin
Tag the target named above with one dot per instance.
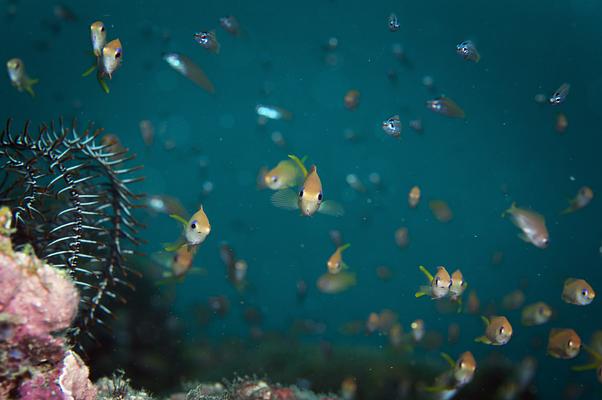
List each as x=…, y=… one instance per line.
x=568, y=281
x=180, y=219
x=425, y=271
x=300, y=163
x=485, y=320
x=449, y=360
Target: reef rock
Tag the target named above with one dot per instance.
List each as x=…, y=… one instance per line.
x=37, y=303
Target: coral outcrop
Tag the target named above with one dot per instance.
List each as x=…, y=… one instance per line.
x=38, y=303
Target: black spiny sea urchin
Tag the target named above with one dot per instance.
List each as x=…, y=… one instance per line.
x=70, y=198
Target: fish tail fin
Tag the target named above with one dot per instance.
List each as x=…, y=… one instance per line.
x=103, y=85
x=29, y=86
x=420, y=294
x=436, y=389
x=448, y=358
x=332, y=208
x=300, y=163
x=179, y=219
x=285, y=199
x=426, y=272
x=509, y=210
x=482, y=339
x=89, y=71
x=568, y=210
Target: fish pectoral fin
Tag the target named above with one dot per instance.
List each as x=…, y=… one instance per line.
x=426, y=273
x=89, y=70
x=332, y=208
x=103, y=85
x=482, y=339
x=450, y=361
x=344, y=247
x=285, y=199
x=179, y=219
x=523, y=237
x=585, y=367
x=437, y=389
x=300, y=163
x=172, y=247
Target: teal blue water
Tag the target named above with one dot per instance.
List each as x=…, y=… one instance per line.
x=505, y=150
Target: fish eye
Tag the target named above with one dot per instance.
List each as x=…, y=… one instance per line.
x=274, y=179
x=320, y=196
x=301, y=193
x=584, y=292
x=570, y=343
x=193, y=225
x=102, y=28
x=502, y=330
x=118, y=54
x=437, y=281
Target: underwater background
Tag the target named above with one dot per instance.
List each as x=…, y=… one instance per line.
x=505, y=150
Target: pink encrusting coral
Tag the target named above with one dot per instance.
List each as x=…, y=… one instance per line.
x=37, y=303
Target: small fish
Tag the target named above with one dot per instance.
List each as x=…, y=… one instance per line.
x=208, y=40
x=182, y=261
x=284, y=175
x=561, y=123
x=335, y=283
x=402, y=238
x=578, y=292
x=352, y=99
x=335, y=263
x=563, y=343
x=373, y=322
x=99, y=37
x=348, y=388
x=355, y=183
x=416, y=125
x=414, y=197
x=396, y=335
x=438, y=285
x=418, y=330
x=392, y=126
x=513, y=300
x=453, y=333
x=112, y=58
x=336, y=237
x=468, y=51
x=464, y=369
x=532, y=225
x=473, y=305
x=230, y=24
x=498, y=331
x=113, y=144
x=163, y=204
x=147, y=131
x=273, y=112
x=189, y=69
x=536, y=314
x=445, y=106
x=309, y=199
x=393, y=22
x=583, y=198
x=196, y=230
x=441, y=210
x=458, y=285
x=18, y=76
x=560, y=94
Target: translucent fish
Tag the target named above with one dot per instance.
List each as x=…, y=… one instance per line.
x=393, y=22
x=468, y=51
x=230, y=24
x=335, y=283
x=445, y=106
x=441, y=210
x=189, y=69
x=208, y=40
x=560, y=94
x=273, y=112
x=392, y=126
